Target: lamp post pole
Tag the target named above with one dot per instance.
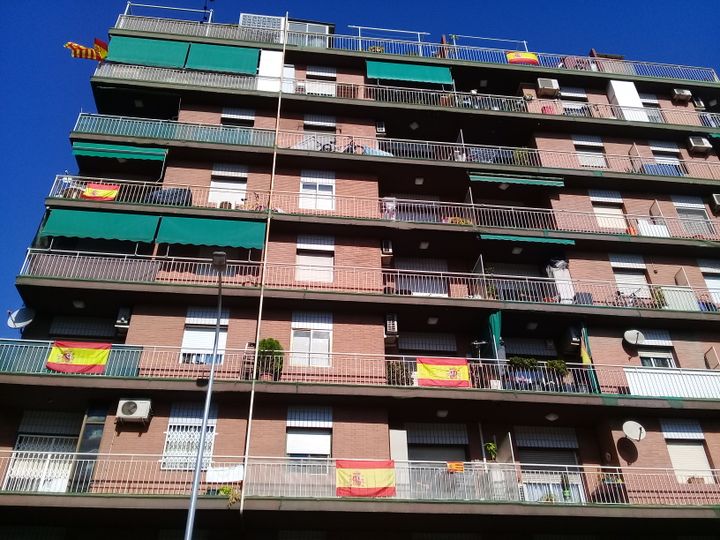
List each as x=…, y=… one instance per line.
x=219, y=263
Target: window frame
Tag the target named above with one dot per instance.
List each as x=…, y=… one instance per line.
x=656, y=354
x=181, y=461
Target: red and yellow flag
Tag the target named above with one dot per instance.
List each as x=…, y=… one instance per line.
x=452, y=372
x=78, y=357
x=365, y=478
x=101, y=48
x=101, y=192
x=97, y=52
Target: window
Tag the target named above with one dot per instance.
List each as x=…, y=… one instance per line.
x=182, y=437
x=686, y=445
x=311, y=339
x=632, y=283
x=655, y=358
x=309, y=439
x=315, y=258
x=320, y=81
x=317, y=190
x=307, y=34
x=610, y=216
x=228, y=185
x=712, y=282
x=199, y=336
x=235, y=116
x=320, y=122
x=667, y=155
x=590, y=151
x=420, y=277
x=652, y=108
x=692, y=214
x=574, y=101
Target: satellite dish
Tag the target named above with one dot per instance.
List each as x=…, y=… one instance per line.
x=20, y=318
x=633, y=430
x=634, y=337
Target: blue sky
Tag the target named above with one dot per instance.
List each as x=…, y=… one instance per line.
x=44, y=89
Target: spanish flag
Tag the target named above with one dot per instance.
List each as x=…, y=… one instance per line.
x=101, y=192
x=452, y=372
x=524, y=58
x=78, y=357
x=101, y=48
x=365, y=478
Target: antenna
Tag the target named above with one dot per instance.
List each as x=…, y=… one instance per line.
x=633, y=430
x=20, y=318
x=634, y=337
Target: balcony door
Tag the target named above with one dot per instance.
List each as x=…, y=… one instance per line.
x=418, y=277
x=41, y=463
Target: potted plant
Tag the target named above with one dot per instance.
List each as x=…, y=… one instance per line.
x=521, y=370
x=398, y=373
x=522, y=362
x=270, y=359
x=232, y=494
x=658, y=298
x=558, y=366
x=491, y=449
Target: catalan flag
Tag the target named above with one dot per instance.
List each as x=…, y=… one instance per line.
x=452, y=372
x=101, y=192
x=81, y=51
x=365, y=478
x=78, y=357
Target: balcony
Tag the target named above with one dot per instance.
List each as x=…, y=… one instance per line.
x=388, y=209
x=95, y=124
x=79, y=188
x=414, y=49
x=147, y=362
x=492, y=156
x=38, y=472
x=357, y=281
x=404, y=149
x=406, y=96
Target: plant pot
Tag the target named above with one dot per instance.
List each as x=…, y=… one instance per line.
x=266, y=377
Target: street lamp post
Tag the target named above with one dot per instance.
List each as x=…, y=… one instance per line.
x=219, y=263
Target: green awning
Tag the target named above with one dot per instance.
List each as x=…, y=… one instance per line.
x=222, y=58
x=148, y=52
x=119, y=151
x=212, y=232
x=395, y=71
x=538, y=239
x=100, y=225
x=528, y=181
x=715, y=135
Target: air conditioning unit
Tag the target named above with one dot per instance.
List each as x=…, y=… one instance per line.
x=391, y=324
x=699, y=145
x=380, y=128
x=548, y=87
x=716, y=202
x=122, y=321
x=386, y=248
x=133, y=410
x=681, y=95
x=699, y=104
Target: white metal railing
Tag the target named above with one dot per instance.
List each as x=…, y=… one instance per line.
x=493, y=482
x=98, y=124
x=369, y=281
x=73, y=187
x=399, y=47
x=39, y=472
x=26, y=471
x=67, y=186
x=160, y=362
x=410, y=96
x=386, y=147
x=490, y=155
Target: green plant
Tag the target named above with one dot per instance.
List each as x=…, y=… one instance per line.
x=492, y=449
x=548, y=498
x=398, y=373
x=558, y=366
x=270, y=358
x=658, y=296
x=523, y=157
x=456, y=220
x=522, y=362
x=611, y=478
x=232, y=494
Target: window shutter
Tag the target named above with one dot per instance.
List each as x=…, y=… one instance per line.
x=547, y=456
x=205, y=315
x=316, y=242
x=587, y=140
x=690, y=460
x=313, y=320
x=417, y=341
x=681, y=429
x=237, y=113
x=573, y=92
x=428, y=433
x=664, y=146
x=82, y=326
x=710, y=266
x=230, y=169
x=201, y=340
x=322, y=71
x=605, y=195
x=317, y=267
x=530, y=346
x=190, y=414
x=657, y=338
x=688, y=201
x=545, y=437
x=320, y=120
x=50, y=423
x=633, y=262
x=419, y=264
x=307, y=441
x=309, y=417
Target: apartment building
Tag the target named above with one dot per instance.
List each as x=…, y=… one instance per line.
x=493, y=277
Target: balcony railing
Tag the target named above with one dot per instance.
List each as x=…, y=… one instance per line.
x=39, y=472
x=157, y=362
x=388, y=209
x=470, y=154
x=409, y=96
x=146, y=128
x=370, y=281
x=397, y=47
x=388, y=148
x=494, y=482
x=161, y=194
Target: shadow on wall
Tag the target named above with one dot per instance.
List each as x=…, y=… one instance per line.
x=627, y=450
